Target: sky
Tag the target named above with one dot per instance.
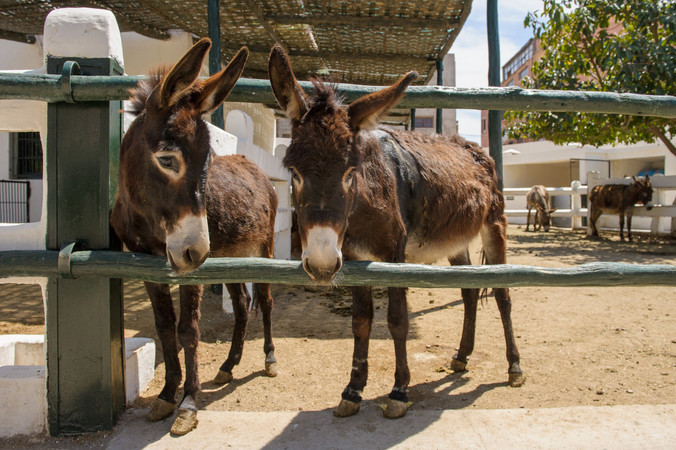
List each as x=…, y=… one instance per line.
x=471, y=51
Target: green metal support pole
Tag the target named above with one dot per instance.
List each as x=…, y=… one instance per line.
x=440, y=82
x=494, y=117
x=214, y=19
x=412, y=119
x=85, y=330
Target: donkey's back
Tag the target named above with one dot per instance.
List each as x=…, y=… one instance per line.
x=241, y=208
x=447, y=191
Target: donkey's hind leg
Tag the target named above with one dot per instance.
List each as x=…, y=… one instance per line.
x=240, y=299
x=470, y=298
x=263, y=298
x=494, y=240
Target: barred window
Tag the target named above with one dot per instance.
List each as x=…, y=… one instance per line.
x=424, y=122
x=25, y=155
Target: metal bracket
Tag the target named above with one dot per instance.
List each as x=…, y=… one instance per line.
x=63, y=264
x=69, y=68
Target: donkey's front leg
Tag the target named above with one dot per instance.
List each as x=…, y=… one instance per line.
x=630, y=214
x=397, y=322
x=165, y=323
x=189, y=336
x=362, y=318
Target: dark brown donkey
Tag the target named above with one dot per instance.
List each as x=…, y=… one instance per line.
x=618, y=199
x=177, y=199
x=366, y=193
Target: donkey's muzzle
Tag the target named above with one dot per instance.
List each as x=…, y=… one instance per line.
x=322, y=275
x=322, y=257
x=188, y=244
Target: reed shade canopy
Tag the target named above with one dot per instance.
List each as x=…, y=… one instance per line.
x=357, y=42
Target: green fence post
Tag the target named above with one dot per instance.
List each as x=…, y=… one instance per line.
x=494, y=117
x=85, y=331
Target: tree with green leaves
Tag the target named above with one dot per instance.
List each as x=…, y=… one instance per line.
x=584, y=49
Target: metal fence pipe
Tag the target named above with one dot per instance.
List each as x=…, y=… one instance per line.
x=144, y=267
x=98, y=88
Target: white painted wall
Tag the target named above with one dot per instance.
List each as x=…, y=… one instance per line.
x=143, y=54
x=545, y=163
x=449, y=120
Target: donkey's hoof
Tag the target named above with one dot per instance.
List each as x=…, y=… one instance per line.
x=161, y=409
x=516, y=379
x=458, y=366
x=346, y=408
x=185, y=422
x=394, y=409
x=271, y=369
x=223, y=377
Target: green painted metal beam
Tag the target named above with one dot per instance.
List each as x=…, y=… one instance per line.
x=87, y=264
x=93, y=88
x=494, y=116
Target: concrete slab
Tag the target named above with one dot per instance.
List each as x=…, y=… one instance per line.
x=609, y=427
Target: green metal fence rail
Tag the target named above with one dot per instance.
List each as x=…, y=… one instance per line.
x=138, y=266
x=53, y=88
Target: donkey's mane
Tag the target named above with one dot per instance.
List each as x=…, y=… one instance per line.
x=140, y=94
x=324, y=99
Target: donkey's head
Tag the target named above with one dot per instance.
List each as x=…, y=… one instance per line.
x=642, y=191
x=165, y=155
x=324, y=158
x=544, y=218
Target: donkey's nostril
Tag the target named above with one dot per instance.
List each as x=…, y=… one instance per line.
x=339, y=264
x=194, y=257
x=188, y=256
x=308, y=269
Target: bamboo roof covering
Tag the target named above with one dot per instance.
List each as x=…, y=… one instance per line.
x=362, y=42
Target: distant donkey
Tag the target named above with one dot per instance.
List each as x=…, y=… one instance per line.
x=618, y=198
x=177, y=199
x=367, y=193
x=538, y=198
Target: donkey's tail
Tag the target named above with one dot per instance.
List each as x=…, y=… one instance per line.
x=483, y=294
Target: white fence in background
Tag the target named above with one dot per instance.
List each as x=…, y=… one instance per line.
x=576, y=212
x=660, y=219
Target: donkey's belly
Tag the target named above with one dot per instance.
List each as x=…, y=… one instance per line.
x=431, y=252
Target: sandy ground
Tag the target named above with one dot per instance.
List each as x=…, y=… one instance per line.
x=579, y=346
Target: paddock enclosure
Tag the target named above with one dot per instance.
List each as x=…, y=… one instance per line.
x=580, y=346
x=84, y=270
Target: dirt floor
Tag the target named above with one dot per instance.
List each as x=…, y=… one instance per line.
x=579, y=346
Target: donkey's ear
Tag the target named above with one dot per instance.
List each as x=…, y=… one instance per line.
x=290, y=96
x=182, y=76
x=215, y=90
x=365, y=112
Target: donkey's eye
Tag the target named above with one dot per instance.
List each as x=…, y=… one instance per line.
x=348, y=177
x=296, y=176
x=168, y=162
